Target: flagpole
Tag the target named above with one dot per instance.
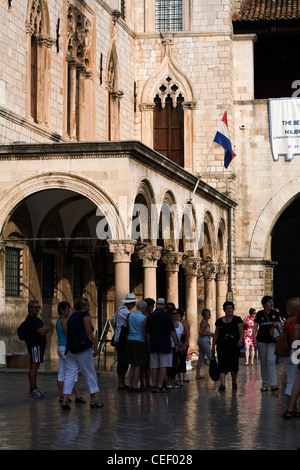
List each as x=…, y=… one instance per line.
x=201, y=172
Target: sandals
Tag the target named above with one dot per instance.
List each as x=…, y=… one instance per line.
x=65, y=406
x=291, y=414
x=96, y=404
x=61, y=399
x=80, y=400
x=163, y=390
x=155, y=390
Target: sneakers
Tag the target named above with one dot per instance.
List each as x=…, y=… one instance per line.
x=36, y=393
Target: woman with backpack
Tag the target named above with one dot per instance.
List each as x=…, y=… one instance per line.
x=80, y=350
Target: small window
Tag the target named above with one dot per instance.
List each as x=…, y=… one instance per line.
x=12, y=271
x=168, y=15
x=49, y=275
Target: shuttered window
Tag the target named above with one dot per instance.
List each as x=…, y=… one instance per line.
x=169, y=129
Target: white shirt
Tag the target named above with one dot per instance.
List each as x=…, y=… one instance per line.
x=120, y=318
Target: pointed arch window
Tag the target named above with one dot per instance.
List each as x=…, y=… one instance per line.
x=38, y=62
x=79, y=75
x=168, y=122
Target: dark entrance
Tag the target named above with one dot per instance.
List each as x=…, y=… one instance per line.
x=285, y=251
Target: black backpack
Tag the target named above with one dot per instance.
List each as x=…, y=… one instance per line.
x=22, y=332
x=77, y=340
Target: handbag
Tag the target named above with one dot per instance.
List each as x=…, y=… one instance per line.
x=214, y=369
x=283, y=345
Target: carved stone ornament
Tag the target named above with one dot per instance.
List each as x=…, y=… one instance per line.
x=122, y=250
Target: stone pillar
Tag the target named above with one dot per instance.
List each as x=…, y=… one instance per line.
x=122, y=250
x=72, y=111
x=81, y=104
x=150, y=255
x=172, y=261
x=221, y=287
x=209, y=272
x=191, y=268
x=147, y=123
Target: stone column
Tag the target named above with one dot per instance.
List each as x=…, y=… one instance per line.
x=209, y=272
x=191, y=268
x=122, y=250
x=221, y=287
x=72, y=98
x=172, y=261
x=81, y=104
x=150, y=255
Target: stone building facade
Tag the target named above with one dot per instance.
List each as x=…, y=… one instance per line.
x=108, y=110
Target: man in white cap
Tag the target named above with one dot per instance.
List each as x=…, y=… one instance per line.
x=121, y=333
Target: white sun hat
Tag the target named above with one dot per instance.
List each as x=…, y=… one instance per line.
x=129, y=298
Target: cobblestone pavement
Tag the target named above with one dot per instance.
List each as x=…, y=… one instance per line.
x=195, y=417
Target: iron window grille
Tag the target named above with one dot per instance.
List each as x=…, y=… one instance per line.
x=168, y=15
x=12, y=271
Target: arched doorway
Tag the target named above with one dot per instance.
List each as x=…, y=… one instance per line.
x=53, y=252
x=285, y=251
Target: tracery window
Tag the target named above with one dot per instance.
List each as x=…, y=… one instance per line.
x=169, y=15
x=79, y=71
x=168, y=122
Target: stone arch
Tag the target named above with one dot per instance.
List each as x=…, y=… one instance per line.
x=209, y=242
x=221, y=241
x=143, y=211
x=259, y=243
x=167, y=68
x=83, y=186
x=189, y=234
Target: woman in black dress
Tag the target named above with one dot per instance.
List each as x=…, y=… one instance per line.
x=228, y=338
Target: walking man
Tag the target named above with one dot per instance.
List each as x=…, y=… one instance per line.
x=36, y=343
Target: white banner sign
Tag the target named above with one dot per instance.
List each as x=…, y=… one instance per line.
x=285, y=127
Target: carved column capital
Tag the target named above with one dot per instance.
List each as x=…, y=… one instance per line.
x=191, y=265
x=222, y=272
x=210, y=270
x=150, y=255
x=122, y=250
x=172, y=261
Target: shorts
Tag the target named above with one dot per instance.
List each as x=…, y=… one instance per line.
x=136, y=353
x=36, y=353
x=158, y=360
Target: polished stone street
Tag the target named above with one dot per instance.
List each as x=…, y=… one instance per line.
x=195, y=417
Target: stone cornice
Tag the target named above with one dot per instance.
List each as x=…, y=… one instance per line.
x=133, y=150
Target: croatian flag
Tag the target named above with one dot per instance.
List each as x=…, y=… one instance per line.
x=222, y=138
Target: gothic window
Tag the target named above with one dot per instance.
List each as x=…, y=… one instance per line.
x=79, y=72
x=114, y=96
x=168, y=122
x=169, y=15
x=39, y=43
